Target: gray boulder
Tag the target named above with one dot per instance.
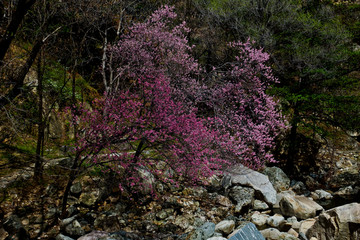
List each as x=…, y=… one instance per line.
x=244, y=196
x=241, y=175
x=278, y=178
x=204, y=232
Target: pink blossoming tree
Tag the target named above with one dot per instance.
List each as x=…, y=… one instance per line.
x=148, y=114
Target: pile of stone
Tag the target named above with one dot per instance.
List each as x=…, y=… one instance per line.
x=249, y=206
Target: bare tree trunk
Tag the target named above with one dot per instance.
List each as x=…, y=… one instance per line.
x=41, y=128
x=22, y=8
x=19, y=78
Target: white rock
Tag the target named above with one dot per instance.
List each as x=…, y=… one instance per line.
x=226, y=226
x=275, y=221
x=323, y=194
x=271, y=233
x=217, y=238
x=259, y=219
x=260, y=205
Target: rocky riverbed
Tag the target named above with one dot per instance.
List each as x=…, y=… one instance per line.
x=241, y=204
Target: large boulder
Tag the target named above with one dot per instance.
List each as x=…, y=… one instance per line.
x=299, y=206
x=340, y=223
x=278, y=178
x=241, y=175
x=244, y=196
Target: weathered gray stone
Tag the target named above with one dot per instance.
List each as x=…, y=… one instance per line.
x=248, y=232
x=323, y=194
x=280, y=195
x=76, y=188
x=74, y=229
x=338, y=223
x=184, y=221
x=217, y=238
x=162, y=214
x=107, y=221
x=204, y=232
x=260, y=205
x=223, y=201
x=147, y=180
x=278, y=178
x=95, y=235
x=299, y=187
x=226, y=226
x=89, y=198
x=63, y=237
x=244, y=196
x=241, y=175
x=299, y=206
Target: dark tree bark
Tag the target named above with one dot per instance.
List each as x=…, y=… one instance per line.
x=22, y=8
x=19, y=78
x=41, y=128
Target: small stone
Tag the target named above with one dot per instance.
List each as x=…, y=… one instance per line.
x=224, y=201
x=63, y=237
x=217, y=238
x=345, y=191
x=275, y=221
x=226, y=226
x=259, y=219
x=95, y=235
x=76, y=188
x=89, y=198
x=260, y=205
x=287, y=236
x=74, y=229
x=183, y=221
x=271, y=233
x=323, y=194
x=162, y=214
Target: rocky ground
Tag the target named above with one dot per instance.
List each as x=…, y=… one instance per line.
x=230, y=207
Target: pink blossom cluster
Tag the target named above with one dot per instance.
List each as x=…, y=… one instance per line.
x=151, y=118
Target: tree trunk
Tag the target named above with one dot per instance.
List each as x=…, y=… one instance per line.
x=293, y=143
x=40, y=139
x=73, y=174
x=22, y=8
x=19, y=78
